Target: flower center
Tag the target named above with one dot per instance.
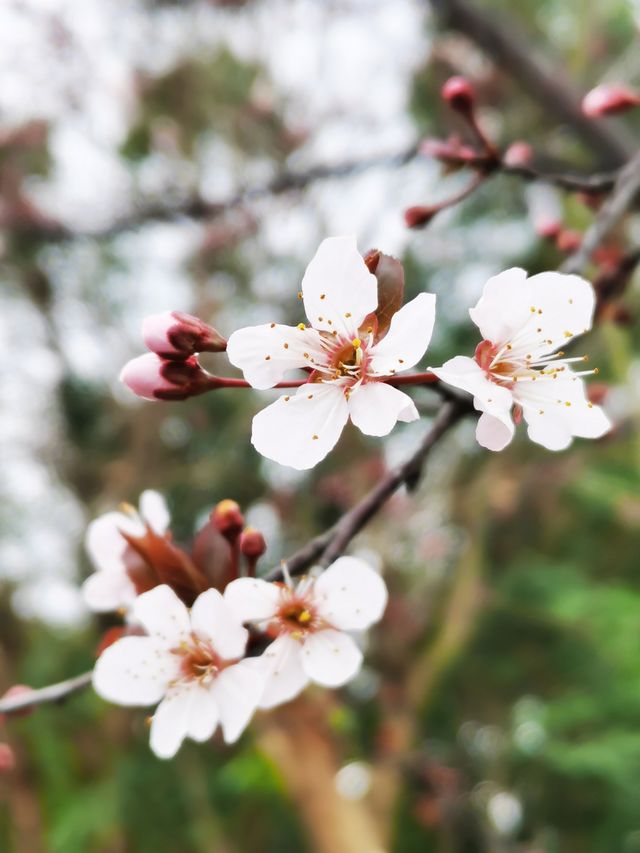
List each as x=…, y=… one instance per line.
x=198, y=661
x=296, y=616
x=346, y=359
x=521, y=360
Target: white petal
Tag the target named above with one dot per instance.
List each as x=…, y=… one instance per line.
x=134, y=671
x=408, y=337
x=566, y=303
x=285, y=677
x=298, y=431
x=465, y=373
x=494, y=433
x=375, y=408
x=558, y=409
x=213, y=619
x=162, y=615
x=331, y=658
x=504, y=307
x=106, y=591
x=266, y=353
x=203, y=714
x=252, y=599
x=338, y=289
x=153, y=509
x=171, y=721
x=104, y=541
x=237, y=690
x=350, y=595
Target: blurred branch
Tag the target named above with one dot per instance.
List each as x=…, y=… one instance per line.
x=538, y=77
x=52, y=693
x=625, y=191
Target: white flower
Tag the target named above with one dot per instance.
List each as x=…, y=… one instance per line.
x=308, y=623
x=523, y=322
x=190, y=663
x=110, y=587
x=348, y=367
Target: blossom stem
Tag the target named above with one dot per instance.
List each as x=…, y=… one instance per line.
x=426, y=378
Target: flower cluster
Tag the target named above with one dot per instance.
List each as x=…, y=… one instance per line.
x=194, y=664
x=359, y=340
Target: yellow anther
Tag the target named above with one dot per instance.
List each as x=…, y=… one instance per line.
x=286, y=346
x=314, y=437
x=304, y=616
x=356, y=343
x=299, y=294
x=273, y=325
x=302, y=327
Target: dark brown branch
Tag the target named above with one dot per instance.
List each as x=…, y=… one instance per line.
x=52, y=693
x=328, y=546
x=625, y=192
x=537, y=77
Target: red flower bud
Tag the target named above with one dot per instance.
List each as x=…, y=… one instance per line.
x=568, y=241
x=228, y=519
x=518, y=154
x=459, y=94
x=609, y=99
x=252, y=543
x=175, y=335
x=417, y=216
x=548, y=228
x=154, y=378
x=7, y=758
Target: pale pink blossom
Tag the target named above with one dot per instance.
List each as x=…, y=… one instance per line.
x=190, y=662
x=347, y=367
x=175, y=335
x=155, y=378
x=523, y=322
x=310, y=623
x=109, y=587
x=609, y=99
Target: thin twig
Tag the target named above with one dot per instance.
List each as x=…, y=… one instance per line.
x=625, y=191
x=52, y=693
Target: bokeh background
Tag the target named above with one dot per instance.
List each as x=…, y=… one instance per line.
x=499, y=709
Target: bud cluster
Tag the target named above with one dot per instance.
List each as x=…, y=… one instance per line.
x=171, y=370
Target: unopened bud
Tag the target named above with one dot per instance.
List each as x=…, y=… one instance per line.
x=568, y=240
x=415, y=217
x=548, y=228
x=228, y=519
x=154, y=378
x=609, y=99
x=175, y=335
x=7, y=758
x=459, y=94
x=518, y=154
x=597, y=392
x=252, y=543
x=15, y=692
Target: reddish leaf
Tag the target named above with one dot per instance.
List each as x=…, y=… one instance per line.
x=390, y=276
x=212, y=555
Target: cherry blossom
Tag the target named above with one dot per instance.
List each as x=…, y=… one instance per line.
x=347, y=364
x=190, y=662
x=309, y=623
x=110, y=587
x=523, y=322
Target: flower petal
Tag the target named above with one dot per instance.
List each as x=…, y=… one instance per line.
x=556, y=410
x=300, y=430
x=494, y=433
x=106, y=591
x=504, y=307
x=331, y=658
x=350, y=595
x=171, y=721
x=564, y=306
x=237, y=691
x=105, y=543
x=338, y=289
x=375, y=408
x=266, y=353
x=203, y=714
x=252, y=599
x=408, y=337
x=162, y=615
x=465, y=373
x=214, y=620
x=153, y=509
x=134, y=671
x=285, y=677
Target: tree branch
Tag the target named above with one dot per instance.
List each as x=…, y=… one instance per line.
x=52, y=693
x=625, y=191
